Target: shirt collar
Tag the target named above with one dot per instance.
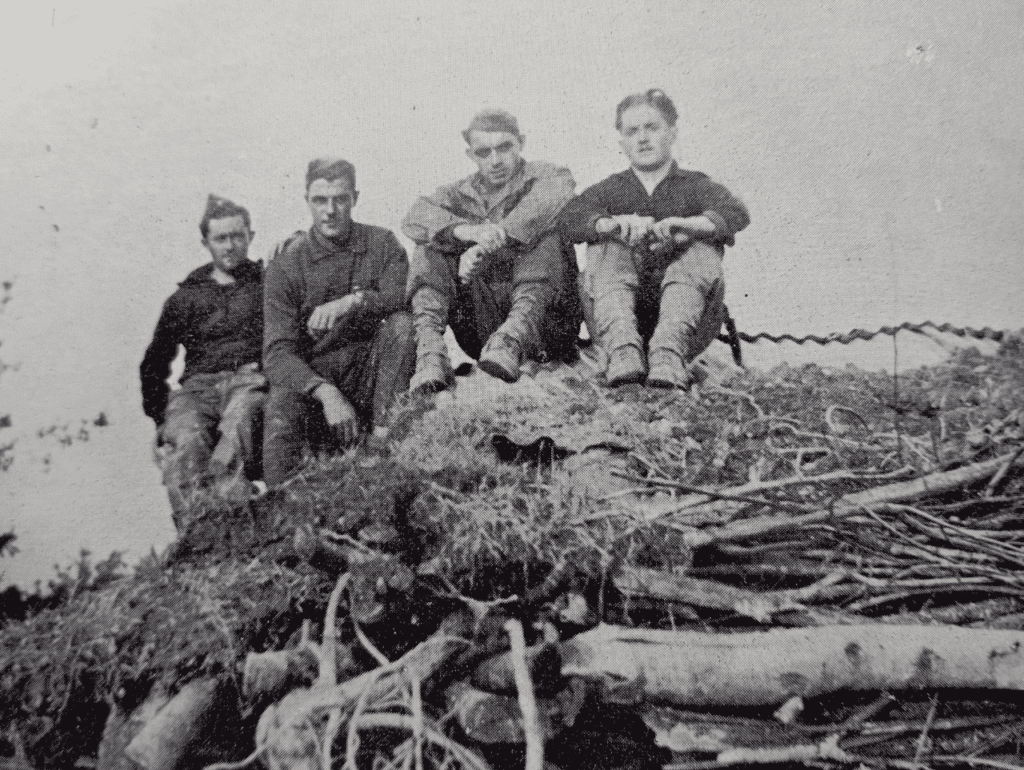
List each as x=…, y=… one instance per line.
x=471, y=185
x=322, y=248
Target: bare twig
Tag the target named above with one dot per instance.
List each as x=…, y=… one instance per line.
x=922, y=739
x=527, y=703
x=328, y=649
x=997, y=479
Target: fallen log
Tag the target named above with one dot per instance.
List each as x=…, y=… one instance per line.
x=487, y=717
x=269, y=675
x=692, y=733
x=849, y=505
x=759, y=605
x=122, y=726
x=689, y=668
x=495, y=674
x=170, y=736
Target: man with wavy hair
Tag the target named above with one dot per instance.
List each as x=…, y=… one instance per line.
x=338, y=344
x=490, y=262
x=657, y=235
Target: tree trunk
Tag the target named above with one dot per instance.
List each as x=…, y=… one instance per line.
x=487, y=717
x=169, y=737
x=756, y=669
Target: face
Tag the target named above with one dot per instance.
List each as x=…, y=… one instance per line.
x=496, y=154
x=330, y=203
x=228, y=242
x=646, y=137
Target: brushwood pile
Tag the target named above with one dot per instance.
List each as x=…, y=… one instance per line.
x=803, y=566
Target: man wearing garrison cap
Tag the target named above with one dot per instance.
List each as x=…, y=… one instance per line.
x=207, y=430
x=337, y=345
x=489, y=261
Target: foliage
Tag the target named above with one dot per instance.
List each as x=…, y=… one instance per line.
x=491, y=528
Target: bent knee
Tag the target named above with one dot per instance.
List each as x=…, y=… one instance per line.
x=399, y=325
x=700, y=266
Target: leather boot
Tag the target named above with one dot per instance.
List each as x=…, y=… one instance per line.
x=430, y=317
x=625, y=365
x=519, y=335
x=667, y=369
x=615, y=318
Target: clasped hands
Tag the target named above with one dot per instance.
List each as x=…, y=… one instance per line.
x=633, y=230
x=486, y=239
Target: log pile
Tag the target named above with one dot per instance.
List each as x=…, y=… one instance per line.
x=802, y=567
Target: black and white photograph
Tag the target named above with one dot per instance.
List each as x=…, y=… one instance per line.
x=453, y=385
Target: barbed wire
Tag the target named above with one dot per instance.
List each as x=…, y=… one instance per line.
x=987, y=333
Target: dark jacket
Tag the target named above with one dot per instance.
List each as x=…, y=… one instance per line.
x=680, y=194
x=306, y=272
x=220, y=326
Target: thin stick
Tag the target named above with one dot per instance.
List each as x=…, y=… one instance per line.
x=993, y=485
x=417, y=722
x=527, y=702
x=330, y=733
x=714, y=494
x=467, y=757
x=328, y=648
x=369, y=646
x=922, y=739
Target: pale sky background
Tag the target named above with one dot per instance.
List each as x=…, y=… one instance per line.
x=879, y=146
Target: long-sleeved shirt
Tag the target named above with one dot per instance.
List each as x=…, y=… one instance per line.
x=527, y=210
x=308, y=271
x=220, y=326
x=680, y=194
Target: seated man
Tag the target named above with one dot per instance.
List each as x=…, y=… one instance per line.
x=208, y=428
x=658, y=235
x=336, y=344
x=490, y=262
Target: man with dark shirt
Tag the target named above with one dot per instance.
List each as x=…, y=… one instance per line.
x=654, y=267
x=490, y=262
x=207, y=430
x=337, y=344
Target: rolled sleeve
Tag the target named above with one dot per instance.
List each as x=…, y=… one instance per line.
x=537, y=213
x=430, y=215
x=725, y=210
x=578, y=220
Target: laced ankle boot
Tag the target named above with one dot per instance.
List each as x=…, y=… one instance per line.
x=430, y=317
x=520, y=332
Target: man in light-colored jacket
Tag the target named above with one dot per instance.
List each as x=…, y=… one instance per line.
x=490, y=261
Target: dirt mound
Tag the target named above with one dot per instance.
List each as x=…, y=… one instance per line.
x=800, y=497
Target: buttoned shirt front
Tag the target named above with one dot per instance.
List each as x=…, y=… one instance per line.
x=307, y=271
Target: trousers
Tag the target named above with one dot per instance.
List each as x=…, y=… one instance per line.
x=479, y=306
x=211, y=433
x=673, y=302
x=370, y=374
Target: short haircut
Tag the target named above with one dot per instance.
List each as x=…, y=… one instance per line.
x=331, y=169
x=222, y=208
x=493, y=120
x=654, y=97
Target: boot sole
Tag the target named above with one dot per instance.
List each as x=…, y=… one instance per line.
x=430, y=387
x=666, y=383
x=627, y=379
x=495, y=369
